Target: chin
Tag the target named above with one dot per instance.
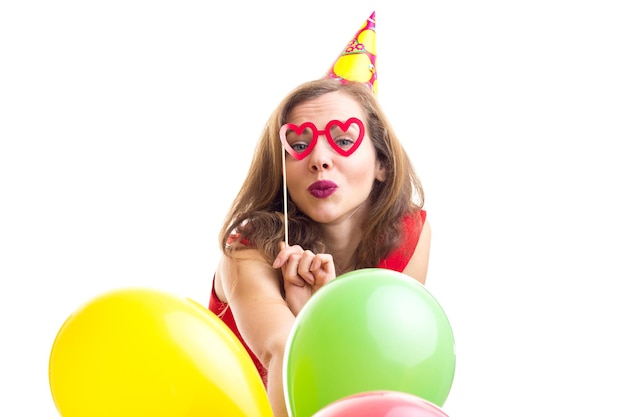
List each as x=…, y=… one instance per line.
x=333, y=218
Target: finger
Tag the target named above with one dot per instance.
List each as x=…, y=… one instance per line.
x=294, y=281
x=322, y=261
x=323, y=269
x=304, y=266
x=285, y=253
x=290, y=271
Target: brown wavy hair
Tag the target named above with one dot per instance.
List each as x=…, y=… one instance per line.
x=256, y=213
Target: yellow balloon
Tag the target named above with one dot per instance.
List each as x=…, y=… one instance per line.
x=140, y=352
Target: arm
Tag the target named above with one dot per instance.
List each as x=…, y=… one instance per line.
x=252, y=289
x=418, y=264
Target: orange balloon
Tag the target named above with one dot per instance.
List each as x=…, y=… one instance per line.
x=141, y=352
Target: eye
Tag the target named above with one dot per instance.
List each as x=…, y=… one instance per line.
x=344, y=143
x=299, y=141
x=299, y=147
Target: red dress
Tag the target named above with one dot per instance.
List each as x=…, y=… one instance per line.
x=397, y=261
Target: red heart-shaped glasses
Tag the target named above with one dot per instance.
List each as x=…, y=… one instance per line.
x=344, y=137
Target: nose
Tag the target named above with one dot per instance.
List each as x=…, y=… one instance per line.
x=321, y=157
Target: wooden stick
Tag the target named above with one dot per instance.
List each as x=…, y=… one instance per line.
x=285, y=201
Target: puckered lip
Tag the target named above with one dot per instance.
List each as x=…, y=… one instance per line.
x=322, y=188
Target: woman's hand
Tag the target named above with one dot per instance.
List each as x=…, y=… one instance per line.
x=303, y=273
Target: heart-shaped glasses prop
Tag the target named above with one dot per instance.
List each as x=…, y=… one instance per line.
x=343, y=137
x=299, y=141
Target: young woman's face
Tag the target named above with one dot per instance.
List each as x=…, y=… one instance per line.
x=331, y=167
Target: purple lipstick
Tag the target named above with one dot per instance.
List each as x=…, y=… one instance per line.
x=322, y=189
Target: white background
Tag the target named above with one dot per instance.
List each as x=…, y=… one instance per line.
x=126, y=128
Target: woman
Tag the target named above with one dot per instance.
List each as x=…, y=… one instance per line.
x=354, y=201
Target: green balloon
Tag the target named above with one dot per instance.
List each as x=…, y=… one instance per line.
x=369, y=329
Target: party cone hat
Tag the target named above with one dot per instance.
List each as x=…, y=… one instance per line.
x=357, y=61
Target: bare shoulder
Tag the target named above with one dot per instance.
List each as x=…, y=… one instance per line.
x=244, y=273
x=418, y=264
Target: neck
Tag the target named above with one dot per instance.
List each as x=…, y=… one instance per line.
x=343, y=238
